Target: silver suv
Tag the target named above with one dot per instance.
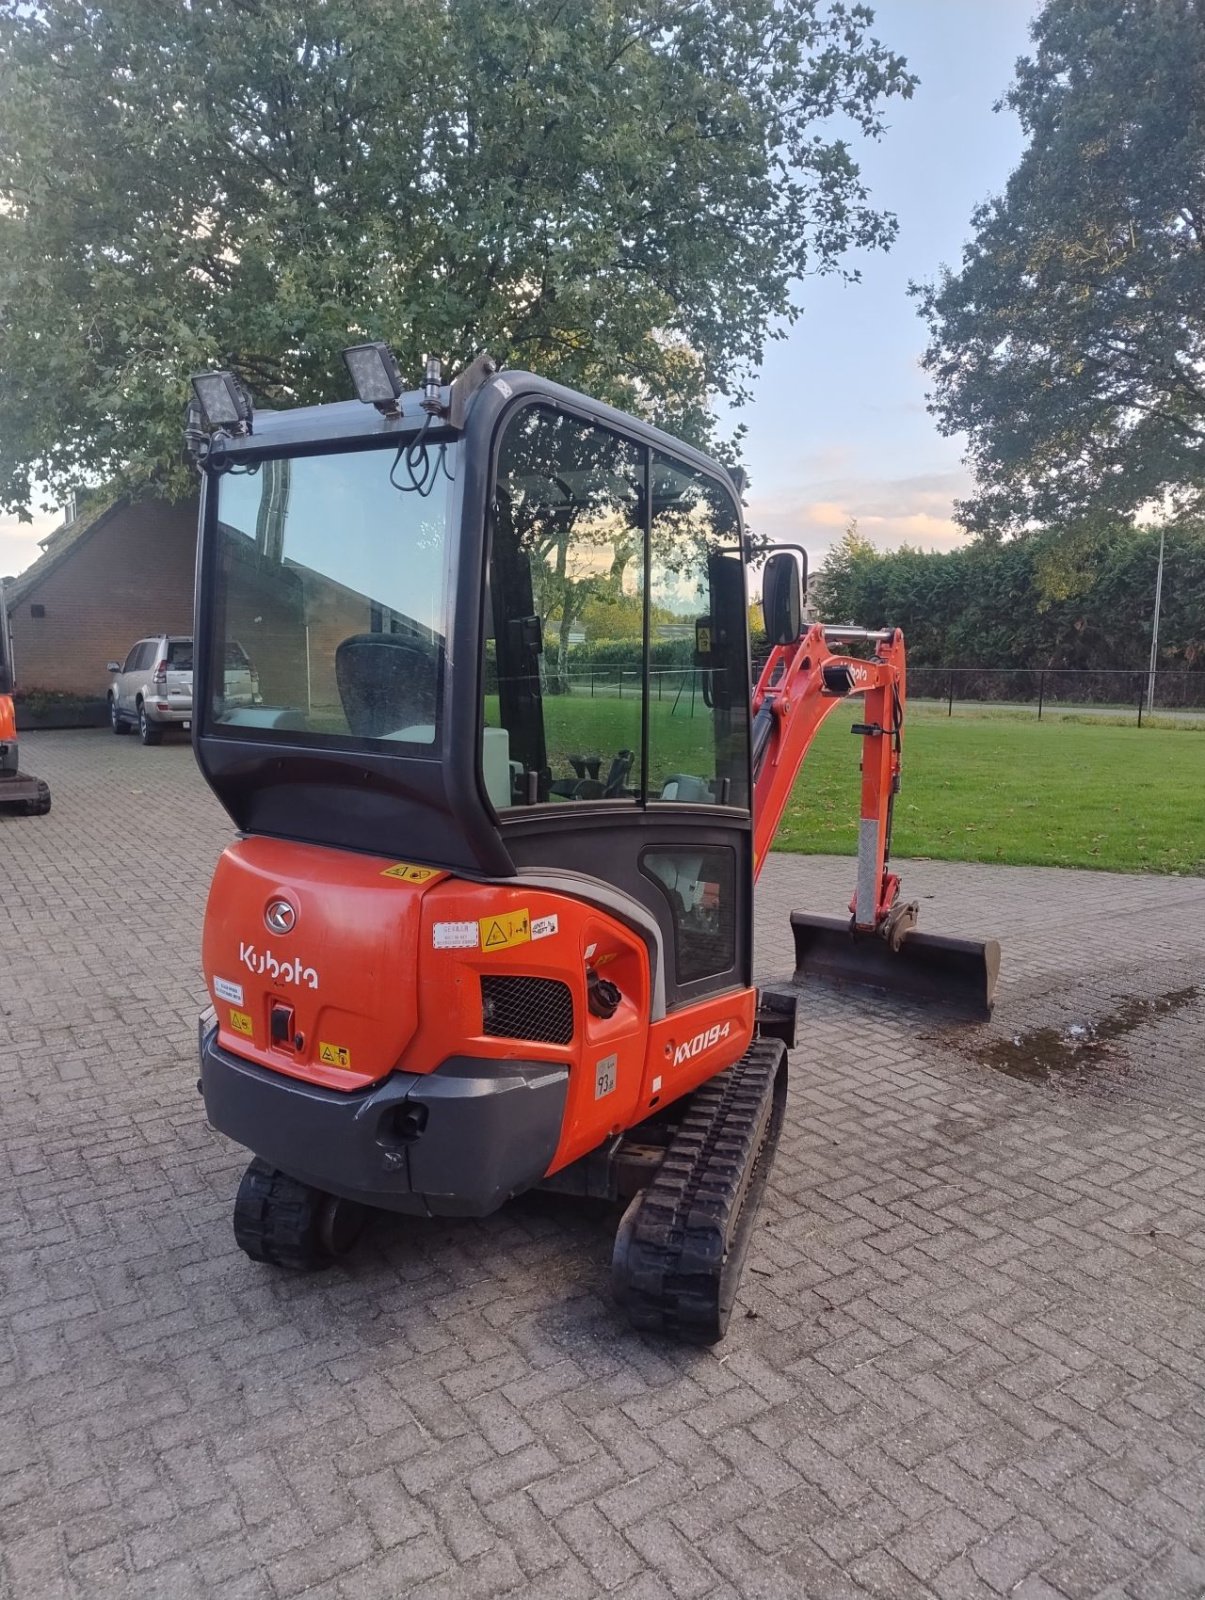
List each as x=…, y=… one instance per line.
x=153, y=690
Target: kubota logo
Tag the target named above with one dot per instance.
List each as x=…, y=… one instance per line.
x=701, y=1041
x=263, y=961
x=280, y=916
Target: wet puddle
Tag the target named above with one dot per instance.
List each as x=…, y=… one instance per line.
x=1045, y=1053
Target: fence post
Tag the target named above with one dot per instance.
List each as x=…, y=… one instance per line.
x=1041, y=692
x=1140, y=708
x=950, y=687
x=621, y=683
x=592, y=683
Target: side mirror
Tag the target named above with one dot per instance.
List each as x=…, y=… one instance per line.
x=782, y=598
x=114, y=666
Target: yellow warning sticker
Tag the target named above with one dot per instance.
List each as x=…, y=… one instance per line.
x=241, y=1023
x=334, y=1055
x=501, y=933
x=403, y=871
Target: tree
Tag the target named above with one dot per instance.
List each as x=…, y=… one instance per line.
x=1071, y=344
x=1076, y=599
x=619, y=193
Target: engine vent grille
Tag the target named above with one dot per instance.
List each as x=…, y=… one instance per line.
x=527, y=1008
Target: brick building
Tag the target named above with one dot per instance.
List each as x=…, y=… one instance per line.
x=102, y=581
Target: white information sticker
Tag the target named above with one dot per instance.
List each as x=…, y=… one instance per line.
x=455, y=936
x=225, y=990
x=543, y=927
x=604, y=1076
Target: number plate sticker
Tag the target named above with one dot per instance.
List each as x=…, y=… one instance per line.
x=225, y=990
x=605, y=1075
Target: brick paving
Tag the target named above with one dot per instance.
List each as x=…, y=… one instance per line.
x=968, y=1359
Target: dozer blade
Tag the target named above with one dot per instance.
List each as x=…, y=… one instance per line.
x=958, y=975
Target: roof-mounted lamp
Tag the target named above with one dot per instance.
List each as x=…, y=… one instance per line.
x=375, y=376
x=224, y=401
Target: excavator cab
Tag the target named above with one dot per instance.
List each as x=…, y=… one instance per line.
x=488, y=923
x=19, y=792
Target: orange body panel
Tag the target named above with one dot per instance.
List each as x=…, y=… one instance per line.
x=8, y=719
x=382, y=970
x=346, y=967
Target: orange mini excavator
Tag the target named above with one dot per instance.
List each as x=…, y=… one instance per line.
x=488, y=923
x=18, y=790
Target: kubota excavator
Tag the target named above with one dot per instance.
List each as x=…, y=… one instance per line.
x=488, y=923
x=19, y=791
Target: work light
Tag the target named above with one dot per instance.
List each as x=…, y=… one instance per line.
x=375, y=374
x=224, y=401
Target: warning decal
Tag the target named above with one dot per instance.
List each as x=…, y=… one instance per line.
x=241, y=1023
x=334, y=1055
x=455, y=936
x=408, y=874
x=501, y=933
x=544, y=927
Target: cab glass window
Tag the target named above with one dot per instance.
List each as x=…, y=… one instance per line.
x=330, y=596
x=565, y=579
x=699, y=685
x=615, y=620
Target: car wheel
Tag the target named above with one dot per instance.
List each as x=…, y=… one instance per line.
x=116, y=722
x=147, y=731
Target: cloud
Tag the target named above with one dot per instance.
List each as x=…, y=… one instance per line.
x=889, y=512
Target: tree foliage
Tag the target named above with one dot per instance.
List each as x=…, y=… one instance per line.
x=1071, y=344
x=618, y=193
x=1081, y=600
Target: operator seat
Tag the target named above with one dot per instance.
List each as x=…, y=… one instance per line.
x=387, y=682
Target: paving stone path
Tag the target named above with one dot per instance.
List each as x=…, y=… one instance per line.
x=968, y=1359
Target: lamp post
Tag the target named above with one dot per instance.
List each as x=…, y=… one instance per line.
x=1150, y=682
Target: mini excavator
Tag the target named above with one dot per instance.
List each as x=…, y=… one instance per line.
x=487, y=926
x=19, y=792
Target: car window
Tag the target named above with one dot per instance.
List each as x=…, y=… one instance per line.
x=132, y=659
x=179, y=655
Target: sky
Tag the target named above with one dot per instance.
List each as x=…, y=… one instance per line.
x=838, y=427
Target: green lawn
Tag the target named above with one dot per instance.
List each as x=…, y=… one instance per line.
x=1063, y=794
x=1059, y=793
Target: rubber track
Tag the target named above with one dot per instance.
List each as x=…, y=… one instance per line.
x=682, y=1243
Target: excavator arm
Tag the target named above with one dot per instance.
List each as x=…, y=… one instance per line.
x=799, y=687
x=805, y=679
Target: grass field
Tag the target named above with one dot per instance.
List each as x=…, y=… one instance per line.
x=1060, y=793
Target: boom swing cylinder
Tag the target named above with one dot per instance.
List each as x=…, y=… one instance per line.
x=484, y=930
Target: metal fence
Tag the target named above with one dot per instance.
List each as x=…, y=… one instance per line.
x=1179, y=694
x=1044, y=691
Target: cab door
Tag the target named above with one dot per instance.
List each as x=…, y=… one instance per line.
x=617, y=674
x=128, y=678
